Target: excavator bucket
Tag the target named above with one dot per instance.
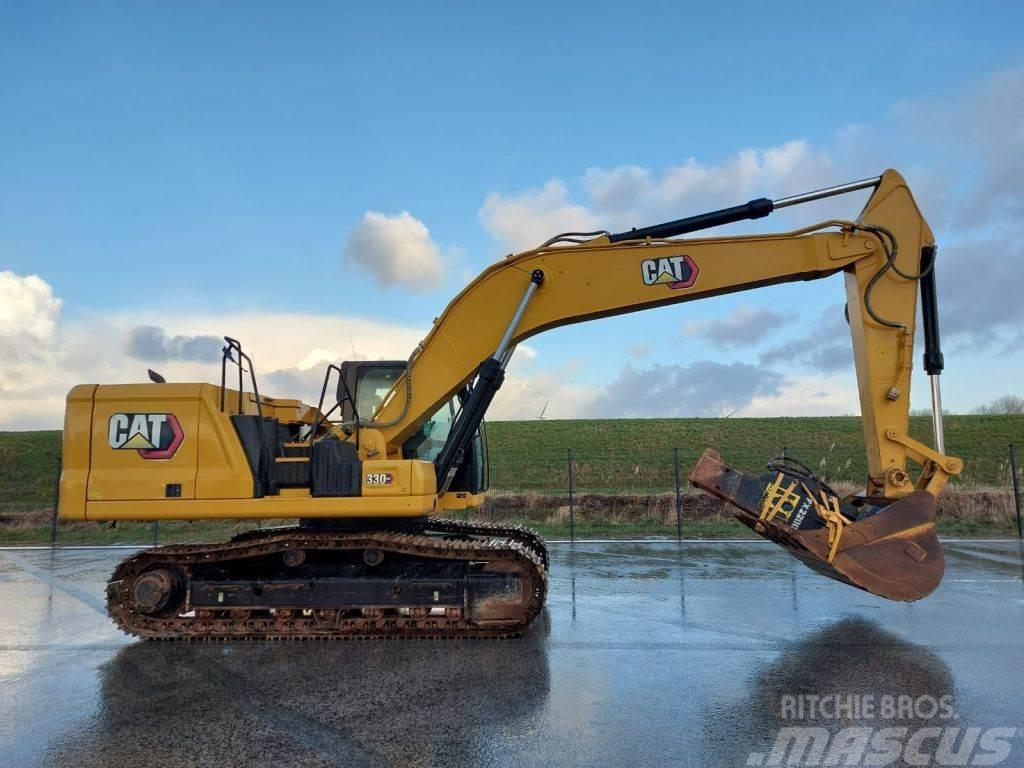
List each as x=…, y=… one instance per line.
x=889, y=550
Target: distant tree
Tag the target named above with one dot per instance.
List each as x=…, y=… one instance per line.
x=1001, y=406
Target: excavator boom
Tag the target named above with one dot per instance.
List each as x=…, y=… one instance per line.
x=632, y=271
x=369, y=558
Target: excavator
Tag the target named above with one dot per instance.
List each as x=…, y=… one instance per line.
x=374, y=471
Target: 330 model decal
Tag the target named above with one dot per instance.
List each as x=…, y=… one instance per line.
x=673, y=271
x=153, y=435
x=379, y=478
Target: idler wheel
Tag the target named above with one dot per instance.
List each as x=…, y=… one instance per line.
x=372, y=556
x=154, y=591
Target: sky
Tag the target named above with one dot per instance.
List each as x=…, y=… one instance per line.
x=319, y=180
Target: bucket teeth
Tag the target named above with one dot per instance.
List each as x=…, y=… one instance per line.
x=891, y=551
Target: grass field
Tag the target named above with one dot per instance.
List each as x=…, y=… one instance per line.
x=834, y=445
x=28, y=459
x=624, y=467
x=28, y=466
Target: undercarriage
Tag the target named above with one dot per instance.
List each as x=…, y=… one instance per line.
x=435, y=578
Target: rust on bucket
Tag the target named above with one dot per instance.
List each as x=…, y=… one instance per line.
x=890, y=550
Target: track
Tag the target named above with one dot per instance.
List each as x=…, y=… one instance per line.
x=488, y=553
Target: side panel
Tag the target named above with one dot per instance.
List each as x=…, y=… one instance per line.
x=462, y=500
x=223, y=471
x=74, y=473
x=395, y=489
x=131, y=459
x=284, y=505
x=166, y=452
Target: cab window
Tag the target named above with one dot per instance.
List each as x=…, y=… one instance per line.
x=374, y=383
x=427, y=443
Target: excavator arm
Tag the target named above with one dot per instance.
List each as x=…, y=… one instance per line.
x=886, y=253
x=882, y=253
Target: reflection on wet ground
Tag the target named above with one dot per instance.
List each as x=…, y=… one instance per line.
x=649, y=654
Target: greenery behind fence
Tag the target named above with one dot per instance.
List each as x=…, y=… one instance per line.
x=623, y=475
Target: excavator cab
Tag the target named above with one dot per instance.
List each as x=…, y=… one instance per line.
x=370, y=381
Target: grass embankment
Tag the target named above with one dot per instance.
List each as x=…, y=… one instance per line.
x=833, y=445
x=28, y=466
x=623, y=474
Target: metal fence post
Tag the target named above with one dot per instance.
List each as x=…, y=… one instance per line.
x=156, y=531
x=572, y=522
x=679, y=505
x=1016, y=488
x=56, y=505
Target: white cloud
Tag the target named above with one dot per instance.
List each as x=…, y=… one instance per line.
x=526, y=351
x=317, y=357
x=29, y=329
x=963, y=155
x=634, y=196
x=807, y=395
x=27, y=307
x=521, y=222
x=41, y=358
x=290, y=351
x=396, y=250
x=286, y=339
x=745, y=326
x=151, y=343
x=630, y=195
x=825, y=346
x=701, y=388
x=980, y=269
x=977, y=140
x=526, y=391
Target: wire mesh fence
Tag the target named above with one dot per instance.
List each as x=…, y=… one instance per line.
x=577, y=494
x=573, y=494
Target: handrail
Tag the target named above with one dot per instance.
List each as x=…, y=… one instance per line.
x=236, y=346
x=320, y=404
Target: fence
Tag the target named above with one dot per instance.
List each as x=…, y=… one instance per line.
x=577, y=494
x=572, y=494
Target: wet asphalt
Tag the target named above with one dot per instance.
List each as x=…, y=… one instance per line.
x=648, y=654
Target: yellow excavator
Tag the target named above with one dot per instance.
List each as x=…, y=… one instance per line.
x=371, y=471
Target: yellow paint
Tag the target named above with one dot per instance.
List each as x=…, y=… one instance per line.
x=298, y=505
x=74, y=473
x=456, y=500
x=589, y=280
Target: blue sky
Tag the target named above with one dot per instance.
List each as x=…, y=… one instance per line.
x=190, y=166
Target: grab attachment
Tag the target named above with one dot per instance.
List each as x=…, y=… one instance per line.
x=889, y=550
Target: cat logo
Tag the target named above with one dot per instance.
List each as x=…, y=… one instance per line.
x=153, y=435
x=674, y=271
